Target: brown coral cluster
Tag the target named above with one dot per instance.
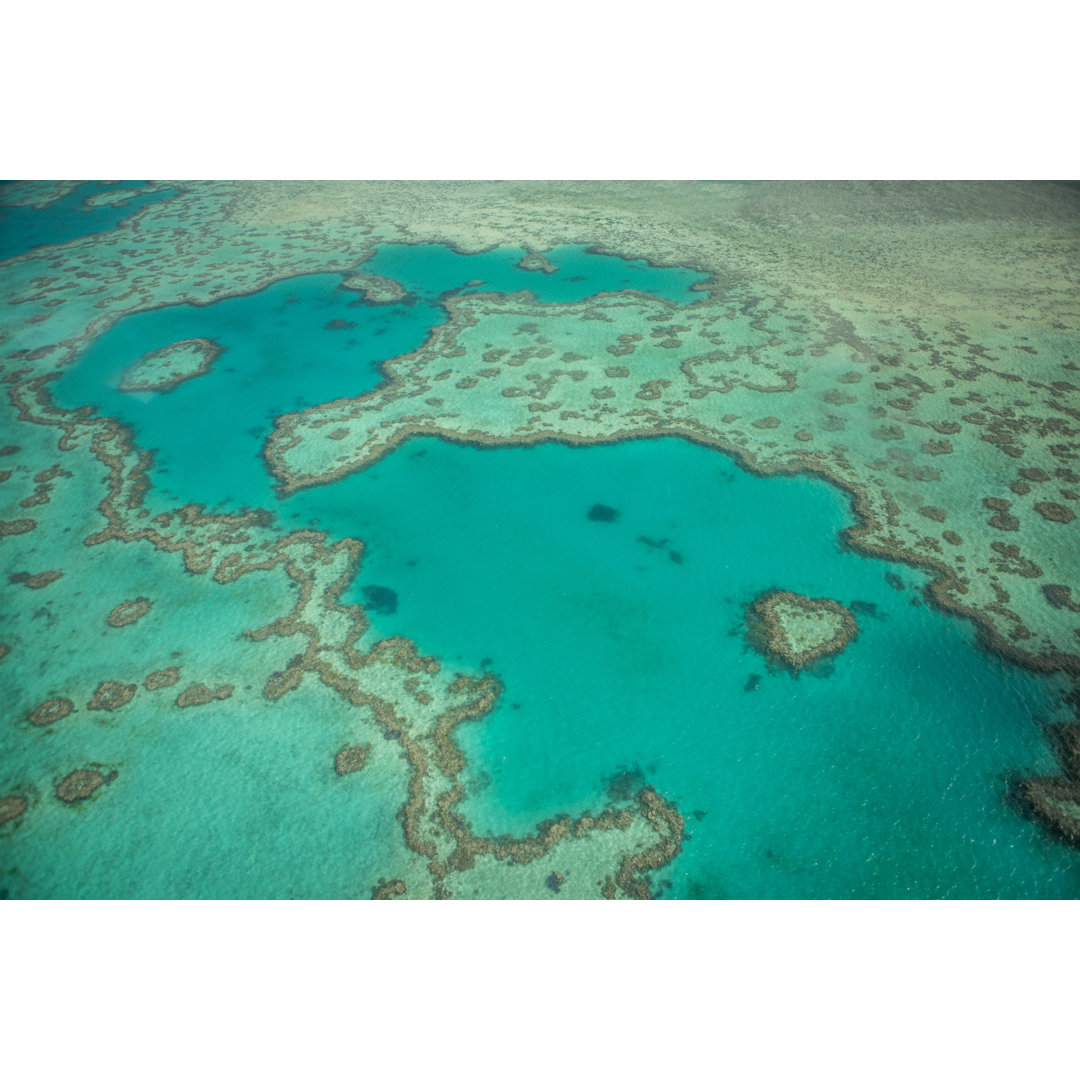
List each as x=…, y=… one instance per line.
x=158, y=680
x=82, y=783
x=12, y=807
x=767, y=633
x=130, y=611
x=111, y=695
x=201, y=694
x=389, y=890
x=350, y=759
x=35, y=581
x=49, y=712
x=1054, y=801
x=206, y=349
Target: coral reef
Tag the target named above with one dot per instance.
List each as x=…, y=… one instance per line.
x=82, y=783
x=535, y=260
x=1054, y=802
x=112, y=695
x=350, y=759
x=200, y=694
x=12, y=807
x=130, y=611
x=869, y=359
x=389, y=890
x=376, y=289
x=158, y=680
x=49, y=712
x=163, y=370
x=796, y=631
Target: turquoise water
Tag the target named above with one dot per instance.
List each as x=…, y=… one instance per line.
x=431, y=269
x=281, y=357
x=23, y=228
x=620, y=642
x=881, y=779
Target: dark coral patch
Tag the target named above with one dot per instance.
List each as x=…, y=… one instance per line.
x=1052, y=801
x=49, y=712
x=1065, y=739
x=11, y=807
x=555, y=881
x=865, y=607
x=626, y=783
x=388, y=890
x=200, y=694
x=280, y=683
x=351, y=759
x=130, y=611
x=158, y=680
x=381, y=600
x=14, y=528
x=1060, y=596
x=600, y=512
x=1054, y=512
x=112, y=695
x=81, y=784
x=35, y=581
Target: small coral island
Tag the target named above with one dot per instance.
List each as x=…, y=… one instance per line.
x=376, y=289
x=165, y=369
x=795, y=631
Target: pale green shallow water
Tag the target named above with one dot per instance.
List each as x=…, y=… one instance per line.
x=883, y=779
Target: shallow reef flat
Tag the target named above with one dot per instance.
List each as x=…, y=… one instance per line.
x=194, y=707
x=162, y=370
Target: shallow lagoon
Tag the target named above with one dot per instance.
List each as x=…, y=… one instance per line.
x=620, y=642
x=281, y=356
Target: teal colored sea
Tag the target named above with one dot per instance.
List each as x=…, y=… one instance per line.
x=23, y=228
x=282, y=356
x=622, y=649
x=619, y=636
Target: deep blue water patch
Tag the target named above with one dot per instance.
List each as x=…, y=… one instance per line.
x=23, y=228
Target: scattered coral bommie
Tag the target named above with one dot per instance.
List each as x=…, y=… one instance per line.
x=796, y=631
